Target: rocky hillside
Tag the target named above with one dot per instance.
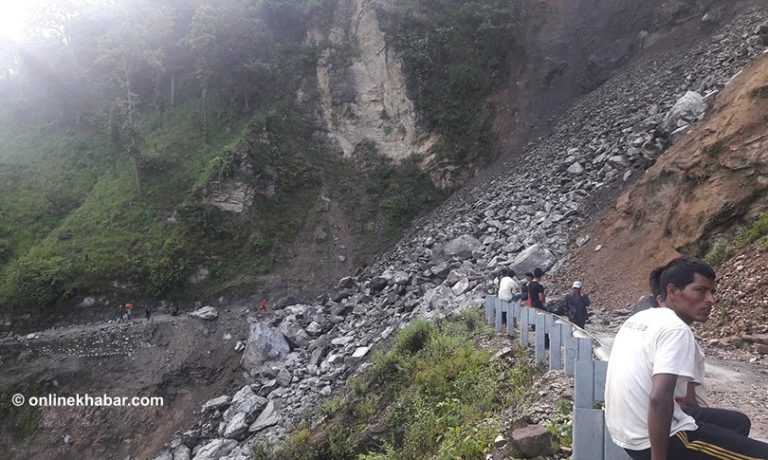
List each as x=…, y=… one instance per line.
x=446, y=263
x=525, y=214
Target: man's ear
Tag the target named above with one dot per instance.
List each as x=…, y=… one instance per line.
x=672, y=292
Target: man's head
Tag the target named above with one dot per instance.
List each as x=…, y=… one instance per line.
x=506, y=271
x=576, y=287
x=687, y=286
x=537, y=273
x=529, y=276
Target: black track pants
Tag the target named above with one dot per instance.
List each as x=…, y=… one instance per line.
x=722, y=434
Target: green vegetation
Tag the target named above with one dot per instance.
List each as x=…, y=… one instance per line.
x=455, y=53
x=432, y=395
x=19, y=422
x=107, y=163
x=759, y=93
x=722, y=248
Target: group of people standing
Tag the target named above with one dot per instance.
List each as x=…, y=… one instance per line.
x=531, y=291
x=125, y=312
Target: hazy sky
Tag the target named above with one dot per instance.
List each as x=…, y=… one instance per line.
x=13, y=15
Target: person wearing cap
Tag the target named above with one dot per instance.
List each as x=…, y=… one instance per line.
x=576, y=303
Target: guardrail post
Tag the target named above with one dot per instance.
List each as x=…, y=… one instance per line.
x=524, y=317
x=511, y=319
x=540, y=351
x=500, y=306
x=489, y=302
x=555, y=346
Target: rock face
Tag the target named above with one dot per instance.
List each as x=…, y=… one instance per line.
x=362, y=86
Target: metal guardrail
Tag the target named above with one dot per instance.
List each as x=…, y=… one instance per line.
x=578, y=354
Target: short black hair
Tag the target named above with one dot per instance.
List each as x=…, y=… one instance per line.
x=680, y=271
x=506, y=271
x=529, y=274
x=537, y=273
x=654, y=279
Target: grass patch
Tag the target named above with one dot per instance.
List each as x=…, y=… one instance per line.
x=722, y=248
x=433, y=394
x=759, y=93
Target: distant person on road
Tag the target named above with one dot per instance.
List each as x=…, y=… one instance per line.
x=129, y=311
x=654, y=366
x=263, y=305
x=536, y=290
x=508, y=286
x=576, y=304
x=148, y=313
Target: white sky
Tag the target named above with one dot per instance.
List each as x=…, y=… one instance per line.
x=13, y=16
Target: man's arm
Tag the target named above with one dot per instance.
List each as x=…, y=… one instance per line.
x=689, y=399
x=660, y=408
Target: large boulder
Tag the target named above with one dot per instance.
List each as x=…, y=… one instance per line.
x=687, y=110
x=460, y=247
x=216, y=449
x=532, y=258
x=207, y=313
x=245, y=402
x=296, y=335
x=265, y=343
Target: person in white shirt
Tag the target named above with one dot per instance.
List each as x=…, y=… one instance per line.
x=654, y=372
x=508, y=286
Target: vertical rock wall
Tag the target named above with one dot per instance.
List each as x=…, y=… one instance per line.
x=362, y=89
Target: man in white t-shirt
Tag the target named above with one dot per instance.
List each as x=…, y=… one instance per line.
x=508, y=286
x=656, y=367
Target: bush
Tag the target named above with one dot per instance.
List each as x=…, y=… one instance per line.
x=39, y=283
x=413, y=337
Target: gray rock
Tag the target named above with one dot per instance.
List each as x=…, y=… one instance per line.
x=360, y=352
x=267, y=418
x=265, y=343
x=691, y=107
x=294, y=333
x=267, y=387
x=164, y=456
x=189, y=438
x=460, y=247
x=575, y=169
x=533, y=441
x=284, y=378
x=236, y=428
x=460, y=287
x=246, y=402
x=215, y=449
x=532, y=258
x=182, y=453
x=218, y=403
x=207, y=313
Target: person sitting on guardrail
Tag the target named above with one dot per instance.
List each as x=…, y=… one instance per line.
x=577, y=303
x=653, y=362
x=508, y=285
x=524, y=288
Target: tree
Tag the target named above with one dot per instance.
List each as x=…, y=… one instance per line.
x=130, y=54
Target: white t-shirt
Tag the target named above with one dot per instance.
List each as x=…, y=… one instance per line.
x=653, y=341
x=507, y=287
